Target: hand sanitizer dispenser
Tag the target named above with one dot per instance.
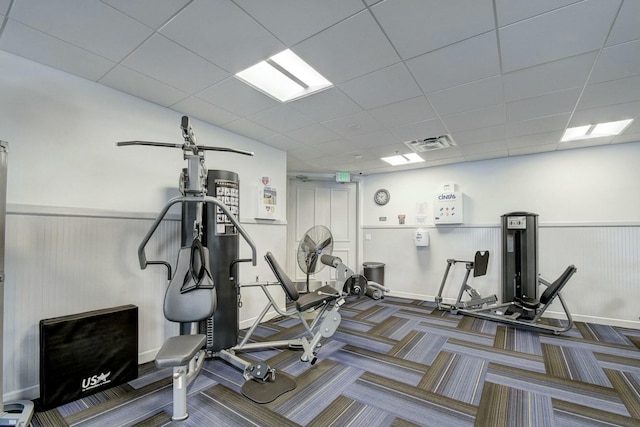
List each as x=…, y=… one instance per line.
x=421, y=237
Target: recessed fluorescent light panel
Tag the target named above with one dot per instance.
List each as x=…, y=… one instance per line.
x=403, y=159
x=598, y=130
x=285, y=77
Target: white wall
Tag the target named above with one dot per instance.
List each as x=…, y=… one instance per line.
x=588, y=201
x=78, y=206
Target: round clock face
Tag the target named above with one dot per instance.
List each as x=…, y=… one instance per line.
x=382, y=197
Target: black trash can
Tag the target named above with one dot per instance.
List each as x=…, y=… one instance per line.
x=374, y=272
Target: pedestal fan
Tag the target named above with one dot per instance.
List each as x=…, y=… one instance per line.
x=317, y=241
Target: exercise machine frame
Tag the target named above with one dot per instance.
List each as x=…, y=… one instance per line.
x=479, y=268
x=185, y=353
x=511, y=312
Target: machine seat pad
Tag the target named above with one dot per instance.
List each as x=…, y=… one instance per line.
x=312, y=299
x=179, y=350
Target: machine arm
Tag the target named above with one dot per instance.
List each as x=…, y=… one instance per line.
x=181, y=199
x=183, y=146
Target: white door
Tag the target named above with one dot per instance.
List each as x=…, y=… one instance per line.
x=325, y=203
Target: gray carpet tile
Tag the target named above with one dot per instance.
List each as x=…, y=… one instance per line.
x=399, y=362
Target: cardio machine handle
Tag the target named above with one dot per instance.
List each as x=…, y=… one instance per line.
x=142, y=257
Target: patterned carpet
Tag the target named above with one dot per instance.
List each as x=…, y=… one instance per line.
x=400, y=362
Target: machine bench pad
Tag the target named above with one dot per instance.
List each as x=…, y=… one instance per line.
x=313, y=299
x=179, y=350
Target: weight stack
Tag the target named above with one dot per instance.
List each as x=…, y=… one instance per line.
x=222, y=240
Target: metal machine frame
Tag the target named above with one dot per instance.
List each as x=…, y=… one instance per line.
x=195, y=191
x=512, y=312
x=479, y=268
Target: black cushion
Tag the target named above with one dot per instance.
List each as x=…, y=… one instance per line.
x=317, y=298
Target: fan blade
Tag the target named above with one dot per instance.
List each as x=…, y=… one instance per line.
x=326, y=243
x=307, y=244
x=312, y=262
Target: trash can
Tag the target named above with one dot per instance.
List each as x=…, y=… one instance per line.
x=374, y=272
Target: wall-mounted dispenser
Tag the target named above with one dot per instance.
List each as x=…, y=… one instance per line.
x=421, y=237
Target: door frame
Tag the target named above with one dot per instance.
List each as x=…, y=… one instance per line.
x=291, y=264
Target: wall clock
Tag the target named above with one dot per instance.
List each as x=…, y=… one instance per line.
x=381, y=197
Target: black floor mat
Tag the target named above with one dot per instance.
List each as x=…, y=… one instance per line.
x=268, y=391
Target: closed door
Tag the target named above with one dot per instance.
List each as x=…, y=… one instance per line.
x=330, y=204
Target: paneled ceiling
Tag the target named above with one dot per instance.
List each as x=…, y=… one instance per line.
x=502, y=77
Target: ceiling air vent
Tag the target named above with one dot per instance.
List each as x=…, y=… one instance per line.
x=430, y=144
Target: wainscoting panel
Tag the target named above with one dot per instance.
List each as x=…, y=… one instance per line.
x=60, y=265
x=604, y=290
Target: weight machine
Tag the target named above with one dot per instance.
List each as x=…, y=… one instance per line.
x=521, y=312
x=211, y=330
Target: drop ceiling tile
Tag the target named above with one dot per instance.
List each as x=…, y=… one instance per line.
x=305, y=152
x=388, y=150
x=4, y=6
x=152, y=13
x=607, y=113
x=295, y=164
x=134, y=83
x=484, y=147
x=207, y=26
x=335, y=148
x=234, y=96
x=352, y=125
x=392, y=84
x=481, y=135
x=196, y=107
x=470, y=96
x=95, y=26
x=45, y=49
x=374, y=139
x=487, y=156
x=280, y=119
x=349, y=49
x=313, y=134
x=294, y=21
x=249, y=129
x=543, y=138
x=547, y=37
x=610, y=93
x=326, y=105
x=425, y=129
x=617, y=62
x=417, y=26
x=553, y=76
x=542, y=106
x=509, y=11
x=170, y=63
x=404, y=112
x=534, y=149
x=476, y=119
x=469, y=60
x=445, y=153
x=282, y=142
x=626, y=27
x=538, y=125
